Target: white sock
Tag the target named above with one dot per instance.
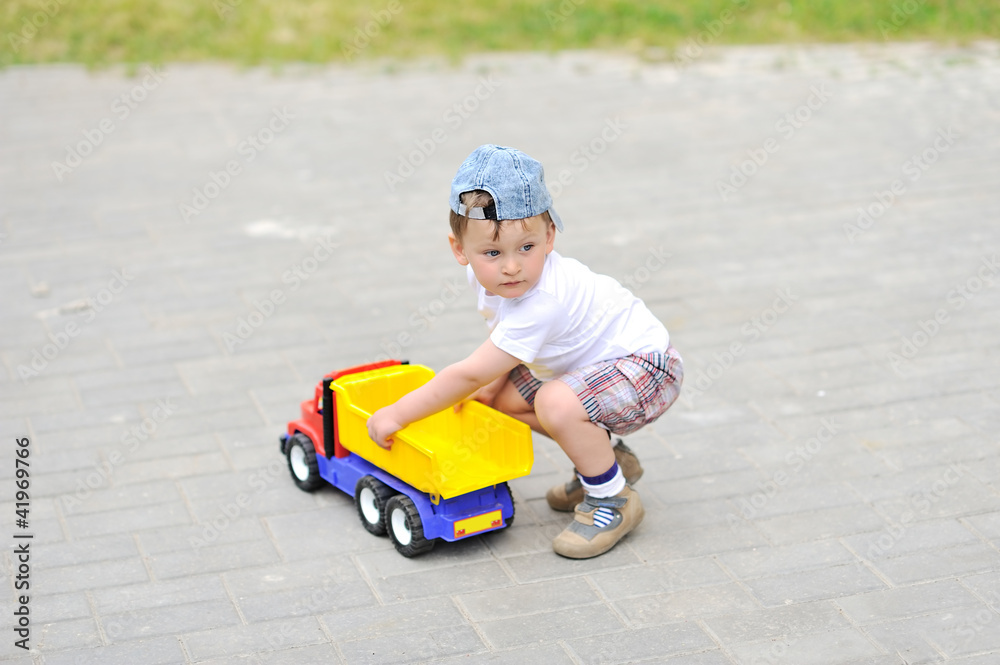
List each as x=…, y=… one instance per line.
x=607, y=488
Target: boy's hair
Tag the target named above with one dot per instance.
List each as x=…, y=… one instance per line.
x=480, y=198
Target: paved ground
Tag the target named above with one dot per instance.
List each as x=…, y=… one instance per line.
x=825, y=492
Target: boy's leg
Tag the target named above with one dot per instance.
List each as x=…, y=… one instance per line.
x=559, y=411
x=510, y=401
x=610, y=509
x=564, y=497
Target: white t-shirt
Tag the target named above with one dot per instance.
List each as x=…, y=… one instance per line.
x=571, y=318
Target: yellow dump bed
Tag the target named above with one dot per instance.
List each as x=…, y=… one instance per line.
x=445, y=454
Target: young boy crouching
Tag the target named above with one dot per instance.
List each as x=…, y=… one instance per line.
x=572, y=353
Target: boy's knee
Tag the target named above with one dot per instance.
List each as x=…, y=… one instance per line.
x=555, y=401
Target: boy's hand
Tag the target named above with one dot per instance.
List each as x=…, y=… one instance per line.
x=382, y=425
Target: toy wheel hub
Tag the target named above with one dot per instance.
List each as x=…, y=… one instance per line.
x=368, y=505
x=401, y=528
x=297, y=459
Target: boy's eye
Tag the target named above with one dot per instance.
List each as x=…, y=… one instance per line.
x=527, y=247
x=492, y=253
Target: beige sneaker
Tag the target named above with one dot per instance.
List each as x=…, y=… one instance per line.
x=564, y=497
x=583, y=538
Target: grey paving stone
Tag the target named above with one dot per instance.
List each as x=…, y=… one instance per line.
x=933, y=637
x=908, y=601
x=123, y=599
x=828, y=648
x=658, y=579
x=579, y=621
x=778, y=623
x=820, y=524
x=92, y=575
x=182, y=538
x=71, y=634
x=684, y=604
x=60, y=607
x=320, y=654
x=456, y=579
x=202, y=559
x=641, y=644
x=325, y=532
x=156, y=651
x=172, y=619
x=127, y=520
x=414, y=647
x=237, y=639
x=925, y=566
x=817, y=584
x=907, y=538
x=106, y=498
x=766, y=561
x=534, y=598
x=699, y=541
x=542, y=566
x=85, y=551
x=548, y=654
x=289, y=556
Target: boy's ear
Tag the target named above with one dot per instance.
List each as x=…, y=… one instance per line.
x=550, y=237
x=456, y=249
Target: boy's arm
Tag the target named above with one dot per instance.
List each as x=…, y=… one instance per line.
x=451, y=385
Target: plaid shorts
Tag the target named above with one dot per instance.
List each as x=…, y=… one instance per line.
x=620, y=395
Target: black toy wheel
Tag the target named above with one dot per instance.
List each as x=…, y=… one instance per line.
x=370, y=498
x=513, y=507
x=405, y=528
x=302, y=464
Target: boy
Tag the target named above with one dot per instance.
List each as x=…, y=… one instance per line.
x=571, y=353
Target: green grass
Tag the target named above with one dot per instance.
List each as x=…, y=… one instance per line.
x=100, y=32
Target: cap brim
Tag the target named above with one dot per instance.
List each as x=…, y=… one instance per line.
x=556, y=219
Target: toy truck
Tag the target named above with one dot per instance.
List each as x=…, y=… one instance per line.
x=445, y=476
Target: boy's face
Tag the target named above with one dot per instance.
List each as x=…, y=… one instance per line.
x=510, y=265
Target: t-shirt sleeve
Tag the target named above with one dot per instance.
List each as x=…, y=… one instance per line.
x=527, y=325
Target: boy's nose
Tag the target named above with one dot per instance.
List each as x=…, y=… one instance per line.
x=511, y=267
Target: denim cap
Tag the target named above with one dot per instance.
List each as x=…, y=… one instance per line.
x=515, y=181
